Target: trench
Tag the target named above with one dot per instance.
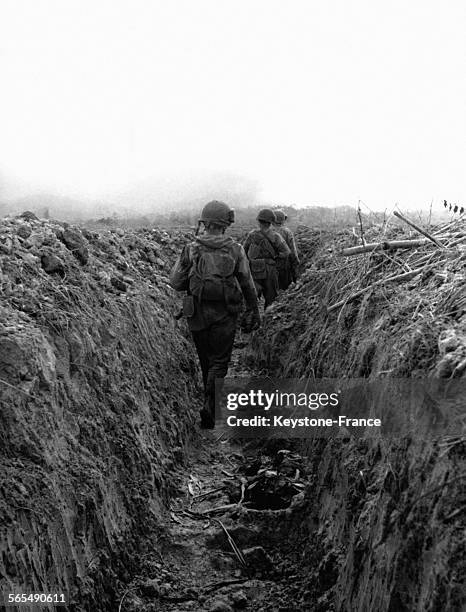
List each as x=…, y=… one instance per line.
x=111, y=494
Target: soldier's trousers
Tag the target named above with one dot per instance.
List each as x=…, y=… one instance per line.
x=214, y=345
x=284, y=274
x=268, y=287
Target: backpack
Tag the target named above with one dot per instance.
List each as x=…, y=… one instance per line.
x=261, y=247
x=261, y=252
x=212, y=276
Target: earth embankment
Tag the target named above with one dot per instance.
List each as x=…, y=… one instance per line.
x=383, y=519
x=97, y=403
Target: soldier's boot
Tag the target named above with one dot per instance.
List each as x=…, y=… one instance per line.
x=207, y=418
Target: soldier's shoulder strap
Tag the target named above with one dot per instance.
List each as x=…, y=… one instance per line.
x=262, y=240
x=275, y=250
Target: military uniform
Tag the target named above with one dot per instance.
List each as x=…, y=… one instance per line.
x=213, y=322
x=264, y=248
x=287, y=268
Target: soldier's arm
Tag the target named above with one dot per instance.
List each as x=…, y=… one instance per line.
x=246, y=282
x=247, y=243
x=179, y=275
x=281, y=246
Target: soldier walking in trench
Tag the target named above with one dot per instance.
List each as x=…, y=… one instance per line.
x=287, y=268
x=215, y=273
x=265, y=248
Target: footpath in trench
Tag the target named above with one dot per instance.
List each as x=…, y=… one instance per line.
x=216, y=554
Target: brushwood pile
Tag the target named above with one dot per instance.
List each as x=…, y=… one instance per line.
x=381, y=327
x=382, y=527
x=97, y=400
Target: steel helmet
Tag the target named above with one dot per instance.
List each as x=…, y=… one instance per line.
x=217, y=212
x=280, y=216
x=267, y=215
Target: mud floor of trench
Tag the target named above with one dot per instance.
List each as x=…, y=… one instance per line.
x=224, y=543
x=215, y=555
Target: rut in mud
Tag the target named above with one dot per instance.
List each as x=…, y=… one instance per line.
x=110, y=493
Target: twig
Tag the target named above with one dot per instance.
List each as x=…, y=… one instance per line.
x=217, y=585
x=350, y=265
x=445, y=227
x=417, y=309
x=207, y=493
x=18, y=389
x=384, y=224
x=26, y=508
x=383, y=246
x=243, y=491
x=176, y=519
x=123, y=598
x=447, y=447
x=455, y=513
x=176, y=598
x=419, y=229
x=401, y=264
x=457, y=241
x=233, y=545
x=363, y=240
x=351, y=298
x=220, y=509
x=196, y=515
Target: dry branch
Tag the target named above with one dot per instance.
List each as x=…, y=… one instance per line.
x=217, y=585
x=203, y=496
x=363, y=240
x=234, y=546
x=384, y=246
x=123, y=598
x=220, y=509
x=419, y=229
x=398, y=277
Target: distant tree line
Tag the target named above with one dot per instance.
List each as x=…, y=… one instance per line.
x=314, y=216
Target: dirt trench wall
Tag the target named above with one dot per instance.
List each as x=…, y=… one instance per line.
x=96, y=399
x=382, y=527
x=383, y=522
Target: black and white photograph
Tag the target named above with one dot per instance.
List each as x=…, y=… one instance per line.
x=232, y=306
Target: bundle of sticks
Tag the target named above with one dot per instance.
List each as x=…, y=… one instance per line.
x=439, y=248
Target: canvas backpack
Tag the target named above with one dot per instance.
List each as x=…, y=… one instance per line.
x=212, y=276
x=261, y=247
x=261, y=252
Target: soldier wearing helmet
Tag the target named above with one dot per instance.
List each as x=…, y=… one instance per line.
x=287, y=268
x=214, y=272
x=265, y=248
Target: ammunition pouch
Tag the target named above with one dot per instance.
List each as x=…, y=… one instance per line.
x=258, y=269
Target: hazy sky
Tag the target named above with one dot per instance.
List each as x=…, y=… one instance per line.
x=320, y=101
